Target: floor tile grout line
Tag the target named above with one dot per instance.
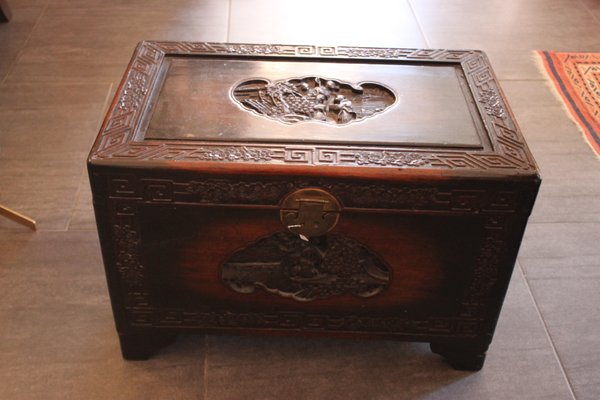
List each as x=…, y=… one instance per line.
x=75, y=201
x=557, y=258
x=228, y=21
x=589, y=11
x=205, y=369
x=24, y=45
x=412, y=9
x=105, y=105
x=547, y=332
x=521, y=79
x=587, y=222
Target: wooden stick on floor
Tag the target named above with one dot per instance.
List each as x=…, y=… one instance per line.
x=17, y=217
x=5, y=14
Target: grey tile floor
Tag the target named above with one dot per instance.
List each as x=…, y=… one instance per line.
x=59, y=64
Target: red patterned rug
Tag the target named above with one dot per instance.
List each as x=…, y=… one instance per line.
x=576, y=77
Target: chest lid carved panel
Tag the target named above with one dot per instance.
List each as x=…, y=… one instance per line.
x=312, y=105
x=298, y=101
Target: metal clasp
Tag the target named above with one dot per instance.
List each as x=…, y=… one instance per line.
x=310, y=212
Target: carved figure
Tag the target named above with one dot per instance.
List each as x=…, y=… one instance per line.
x=327, y=266
x=313, y=99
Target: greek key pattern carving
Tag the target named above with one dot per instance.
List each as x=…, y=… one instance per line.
x=284, y=154
x=304, y=321
x=507, y=141
x=126, y=191
x=307, y=50
x=116, y=139
x=269, y=192
x=297, y=154
x=487, y=92
x=118, y=128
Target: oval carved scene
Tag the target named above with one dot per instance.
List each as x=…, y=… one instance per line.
x=313, y=99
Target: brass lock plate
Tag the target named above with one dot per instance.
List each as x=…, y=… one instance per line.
x=310, y=212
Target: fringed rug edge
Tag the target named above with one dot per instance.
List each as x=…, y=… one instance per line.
x=540, y=61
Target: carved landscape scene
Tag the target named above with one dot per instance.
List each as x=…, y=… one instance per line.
x=313, y=99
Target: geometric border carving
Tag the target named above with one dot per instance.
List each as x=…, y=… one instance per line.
x=499, y=210
x=116, y=139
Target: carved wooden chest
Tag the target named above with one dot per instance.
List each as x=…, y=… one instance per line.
x=341, y=191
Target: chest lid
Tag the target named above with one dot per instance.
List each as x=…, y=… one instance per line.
x=234, y=105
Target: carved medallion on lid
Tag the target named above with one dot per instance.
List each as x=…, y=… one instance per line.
x=314, y=99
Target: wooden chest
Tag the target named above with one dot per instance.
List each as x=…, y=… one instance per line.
x=339, y=191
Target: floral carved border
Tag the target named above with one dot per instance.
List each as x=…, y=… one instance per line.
x=116, y=138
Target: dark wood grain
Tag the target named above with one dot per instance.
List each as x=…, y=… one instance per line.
x=428, y=106
x=443, y=220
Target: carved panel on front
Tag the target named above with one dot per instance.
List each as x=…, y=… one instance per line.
x=337, y=272
x=325, y=266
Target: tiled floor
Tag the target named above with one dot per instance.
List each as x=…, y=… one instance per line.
x=59, y=63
